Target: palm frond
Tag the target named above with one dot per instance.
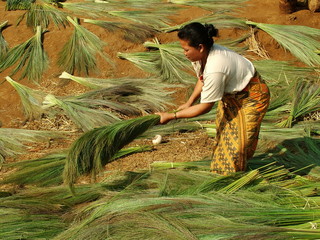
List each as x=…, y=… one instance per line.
x=94, y=8
x=305, y=99
x=212, y=5
x=156, y=19
x=84, y=114
x=47, y=170
x=89, y=153
x=79, y=53
x=40, y=14
x=166, y=62
x=133, y=32
x=294, y=38
x=31, y=100
x=29, y=55
x=3, y=43
x=218, y=20
x=233, y=43
x=13, y=141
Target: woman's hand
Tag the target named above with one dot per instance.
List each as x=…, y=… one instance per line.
x=184, y=106
x=165, y=117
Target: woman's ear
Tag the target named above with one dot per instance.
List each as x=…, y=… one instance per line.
x=201, y=47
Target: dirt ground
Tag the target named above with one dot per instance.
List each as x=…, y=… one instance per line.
x=177, y=147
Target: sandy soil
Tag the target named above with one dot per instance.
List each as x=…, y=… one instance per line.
x=178, y=147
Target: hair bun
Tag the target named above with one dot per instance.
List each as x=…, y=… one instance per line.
x=211, y=30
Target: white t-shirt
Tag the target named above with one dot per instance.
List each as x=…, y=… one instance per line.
x=225, y=72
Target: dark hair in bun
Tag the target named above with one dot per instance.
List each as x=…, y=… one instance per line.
x=196, y=33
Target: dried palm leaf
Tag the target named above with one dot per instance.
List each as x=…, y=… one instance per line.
x=167, y=62
x=94, y=149
x=219, y=21
x=12, y=141
x=212, y=5
x=47, y=170
x=29, y=55
x=18, y=4
x=305, y=99
x=132, y=32
x=3, y=43
x=79, y=53
x=40, y=14
x=294, y=38
x=155, y=19
x=84, y=114
x=31, y=100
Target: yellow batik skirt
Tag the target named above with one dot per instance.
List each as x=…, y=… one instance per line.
x=238, y=121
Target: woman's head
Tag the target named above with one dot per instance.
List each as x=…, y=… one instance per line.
x=196, y=33
x=196, y=40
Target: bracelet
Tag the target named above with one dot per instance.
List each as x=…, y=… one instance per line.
x=175, y=115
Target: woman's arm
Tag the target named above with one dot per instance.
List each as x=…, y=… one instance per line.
x=194, y=96
x=189, y=112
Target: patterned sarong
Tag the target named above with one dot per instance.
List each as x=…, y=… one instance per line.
x=238, y=121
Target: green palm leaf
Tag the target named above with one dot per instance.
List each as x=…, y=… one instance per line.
x=295, y=38
x=79, y=53
x=18, y=4
x=3, y=43
x=31, y=100
x=29, y=55
x=89, y=153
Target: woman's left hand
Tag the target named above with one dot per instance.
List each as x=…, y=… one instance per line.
x=165, y=117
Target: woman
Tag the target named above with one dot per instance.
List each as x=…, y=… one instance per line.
x=231, y=79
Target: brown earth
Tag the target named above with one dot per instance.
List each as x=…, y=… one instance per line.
x=177, y=147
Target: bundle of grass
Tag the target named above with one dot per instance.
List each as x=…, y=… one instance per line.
x=166, y=61
x=84, y=114
x=294, y=38
x=133, y=32
x=89, y=153
x=3, y=43
x=13, y=141
x=305, y=99
x=79, y=53
x=31, y=100
x=29, y=55
x=40, y=14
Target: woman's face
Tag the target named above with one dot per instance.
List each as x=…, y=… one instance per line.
x=192, y=53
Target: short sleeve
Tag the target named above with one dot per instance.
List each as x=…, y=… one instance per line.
x=213, y=87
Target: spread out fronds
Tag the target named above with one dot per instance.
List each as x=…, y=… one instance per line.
x=133, y=32
x=305, y=99
x=40, y=14
x=47, y=170
x=29, y=57
x=94, y=9
x=218, y=20
x=3, y=43
x=294, y=38
x=79, y=53
x=13, y=141
x=166, y=62
x=31, y=100
x=94, y=149
x=83, y=113
x=18, y=4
